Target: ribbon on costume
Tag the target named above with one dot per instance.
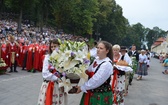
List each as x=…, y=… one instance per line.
x=49, y=93
x=114, y=83
x=12, y=57
x=88, y=94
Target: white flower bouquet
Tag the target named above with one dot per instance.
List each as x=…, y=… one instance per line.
x=71, y=58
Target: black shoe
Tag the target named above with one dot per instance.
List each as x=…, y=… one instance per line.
x=23, y=69
x=15, y=71
x=130, y=83
x=34, y=71
x=10, y=71
x=29, y=71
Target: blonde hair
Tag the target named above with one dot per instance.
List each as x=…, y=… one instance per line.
x=11, y=36
x=116, y=46
x=143, y=51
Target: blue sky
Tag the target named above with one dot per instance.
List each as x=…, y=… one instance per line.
x=149, y=13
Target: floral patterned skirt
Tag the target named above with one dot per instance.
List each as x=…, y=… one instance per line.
x=99, y=98
x=58, y=98
x=119, y=91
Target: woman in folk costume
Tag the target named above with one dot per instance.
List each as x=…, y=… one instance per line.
x=118, y=78
x=142, y=65
x=97, y=90
x=50, y=93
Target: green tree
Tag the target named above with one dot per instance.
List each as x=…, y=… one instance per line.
x=114, y=30
x=75, y=16
x=61, y=10
x=83, y=16
x=104, y=8
x=18, y=6
x=154, y=34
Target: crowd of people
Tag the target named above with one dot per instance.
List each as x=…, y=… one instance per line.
x=110, y=73
x=163, y=59
x=27, y=48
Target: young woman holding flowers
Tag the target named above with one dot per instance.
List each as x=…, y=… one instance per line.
x=97, y=90
x=50, y=93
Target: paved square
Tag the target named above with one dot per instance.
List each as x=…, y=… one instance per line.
x=22, y=88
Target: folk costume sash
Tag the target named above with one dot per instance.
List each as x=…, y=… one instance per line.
x=12, y=57
x=114, y=81
x=49, y=92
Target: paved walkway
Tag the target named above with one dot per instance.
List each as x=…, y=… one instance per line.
x=22, y=88
x=151, y=89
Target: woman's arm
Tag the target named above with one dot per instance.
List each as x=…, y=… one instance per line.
x=104, y=72
x=45, y=72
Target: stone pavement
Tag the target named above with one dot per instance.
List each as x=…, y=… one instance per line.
x=22, y=88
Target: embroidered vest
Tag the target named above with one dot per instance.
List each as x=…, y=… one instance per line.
x=105, y=87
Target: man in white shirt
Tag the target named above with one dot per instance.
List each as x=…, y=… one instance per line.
x=133, y=53
x=93, y=51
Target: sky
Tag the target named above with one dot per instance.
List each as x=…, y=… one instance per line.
x=149, y=13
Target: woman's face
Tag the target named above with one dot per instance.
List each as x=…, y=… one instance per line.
x=101, y=50
x=9, y=38
x=116, y=51
x=143, y=52
x=54, y=46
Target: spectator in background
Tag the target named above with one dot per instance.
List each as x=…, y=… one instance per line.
x=22, y=39
x=148, y=54
x=93, y=51
x=161, y=57
x=142, y=65
x=165, y=64
x=133, y=53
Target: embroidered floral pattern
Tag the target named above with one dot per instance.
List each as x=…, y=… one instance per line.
x=95, y=64
x=58, y=96
x=100, y=98
x=119, y=90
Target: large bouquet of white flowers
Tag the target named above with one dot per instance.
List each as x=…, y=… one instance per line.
x=71, y=58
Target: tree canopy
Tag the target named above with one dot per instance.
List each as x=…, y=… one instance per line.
x=94, y=18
